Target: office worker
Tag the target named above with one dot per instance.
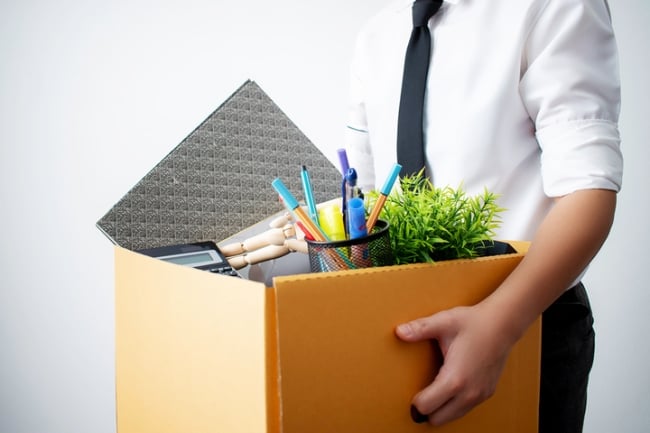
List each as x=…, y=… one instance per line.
x=522, y=97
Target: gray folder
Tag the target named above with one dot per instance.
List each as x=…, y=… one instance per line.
x=217, y=181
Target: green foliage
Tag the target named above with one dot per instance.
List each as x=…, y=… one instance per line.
x=429, y=223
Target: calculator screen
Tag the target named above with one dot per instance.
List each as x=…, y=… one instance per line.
x=201, y=255
x=190, y=259
x=193, y=259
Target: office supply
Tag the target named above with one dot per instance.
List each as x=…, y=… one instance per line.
x=383, y=195
x=309, y=195
x=356, y=218
x=344, y=202
x=214, y=183
x=200, y=255
x=373, y=250
x=351, y=190
x=332, y=222
x=360, y=253
x=305, y=232
x=292, y=204
x=343, y=160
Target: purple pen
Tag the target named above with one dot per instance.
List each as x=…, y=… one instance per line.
x=343, y=159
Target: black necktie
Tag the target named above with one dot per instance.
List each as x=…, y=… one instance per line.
x=410, y=140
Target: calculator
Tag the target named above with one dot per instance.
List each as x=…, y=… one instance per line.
x=204, y=255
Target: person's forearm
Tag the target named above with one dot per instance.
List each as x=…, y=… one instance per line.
x=568, y=239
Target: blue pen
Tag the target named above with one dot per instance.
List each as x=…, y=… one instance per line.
x=357, y=221
x=350, y=191
x=309, y=195
x=351, y=182
x=357, y=218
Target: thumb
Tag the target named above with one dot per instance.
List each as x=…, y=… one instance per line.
x=426, y=328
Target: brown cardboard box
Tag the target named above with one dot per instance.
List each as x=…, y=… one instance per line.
x=315, y=353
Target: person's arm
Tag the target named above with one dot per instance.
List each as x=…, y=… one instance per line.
x=575, y=117
x=475, y=341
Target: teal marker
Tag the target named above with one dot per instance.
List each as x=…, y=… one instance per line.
x=309, y=195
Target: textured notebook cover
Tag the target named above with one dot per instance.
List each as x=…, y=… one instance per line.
x=217, y=181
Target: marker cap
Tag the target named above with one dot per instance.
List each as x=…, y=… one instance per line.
x=331, y=222
x=289, y=200
x=356, y=218
x=390, y=180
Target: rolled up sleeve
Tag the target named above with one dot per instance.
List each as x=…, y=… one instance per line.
x=570, y=87
x=581, y=154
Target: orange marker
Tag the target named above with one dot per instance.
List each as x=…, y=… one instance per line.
x=292, y=204
x=381, y=200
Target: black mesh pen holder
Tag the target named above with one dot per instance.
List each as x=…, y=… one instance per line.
x=369, y=251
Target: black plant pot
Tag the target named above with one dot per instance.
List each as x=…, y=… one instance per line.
x=487, y=248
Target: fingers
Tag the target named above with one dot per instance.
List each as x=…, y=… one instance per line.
x=427, y=328
x=446, y=399
x=442, y=416
x=451, y=411
x=473, y=358
x=445, y=414
x=439, y=395
x=432, y=399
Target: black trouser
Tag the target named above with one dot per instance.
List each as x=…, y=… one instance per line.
x=567, y=357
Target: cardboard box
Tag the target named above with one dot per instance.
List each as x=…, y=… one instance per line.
x=315, y=353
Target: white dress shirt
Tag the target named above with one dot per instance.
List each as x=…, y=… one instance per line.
x=522, y=98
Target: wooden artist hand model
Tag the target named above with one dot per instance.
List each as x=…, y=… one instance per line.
x=281, y=239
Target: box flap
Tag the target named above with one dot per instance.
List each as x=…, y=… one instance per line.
x=190, y=349
x=343, y=369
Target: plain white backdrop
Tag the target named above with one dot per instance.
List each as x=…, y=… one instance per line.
x=94, y=93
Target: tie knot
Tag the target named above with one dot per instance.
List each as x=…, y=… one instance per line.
x=423, y=10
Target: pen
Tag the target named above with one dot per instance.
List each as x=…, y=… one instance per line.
x=344, y=199
x=343, y=159
x=303, y=229
x=292, y=204
x=357, y=221
x=309, y=195
x=350, y=191
x=345, y=167
x=383, y=194
x=356, y=218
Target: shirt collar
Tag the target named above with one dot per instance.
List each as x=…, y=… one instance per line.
x=408, y=3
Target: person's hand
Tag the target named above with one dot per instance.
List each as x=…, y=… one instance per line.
x=474, y=350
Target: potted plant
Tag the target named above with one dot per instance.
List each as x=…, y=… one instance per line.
x=427, y=223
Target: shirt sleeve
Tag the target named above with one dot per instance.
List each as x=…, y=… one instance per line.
x=570, y=87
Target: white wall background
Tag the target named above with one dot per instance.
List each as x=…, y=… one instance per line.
x=94, y=93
